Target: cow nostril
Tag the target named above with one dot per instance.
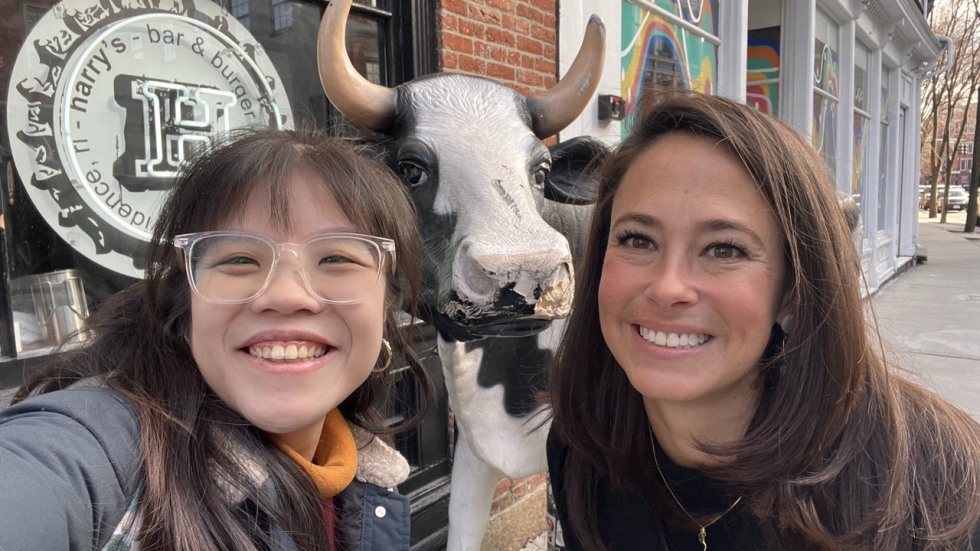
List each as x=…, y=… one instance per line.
x=510, y=300
x=474, y=282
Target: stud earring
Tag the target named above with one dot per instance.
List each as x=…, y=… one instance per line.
x=786, y=323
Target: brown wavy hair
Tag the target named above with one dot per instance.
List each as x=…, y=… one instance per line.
x=137, y=344
x=841, y=453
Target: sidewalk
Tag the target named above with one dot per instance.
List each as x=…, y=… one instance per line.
x=930, y=314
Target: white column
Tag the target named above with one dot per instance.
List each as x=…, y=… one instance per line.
x=910, y=175
x=907, y=217
x=871, y=168
x=573, y=17
x=733, y=30
x=845, y=122
x=796, y=64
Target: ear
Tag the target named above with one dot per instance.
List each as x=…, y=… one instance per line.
x=571, y=180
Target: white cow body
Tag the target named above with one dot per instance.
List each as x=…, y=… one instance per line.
x=497, y=273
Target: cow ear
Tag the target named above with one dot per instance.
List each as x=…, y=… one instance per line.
x=573, y=163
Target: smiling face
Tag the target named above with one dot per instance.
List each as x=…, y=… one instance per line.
x=336, y=345
x=693, y=275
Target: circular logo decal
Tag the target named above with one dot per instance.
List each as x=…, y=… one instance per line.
x=107, y=101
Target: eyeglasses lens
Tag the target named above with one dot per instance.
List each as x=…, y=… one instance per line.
x=236, y=268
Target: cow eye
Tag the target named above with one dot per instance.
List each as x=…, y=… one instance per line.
x=540, y=175
x=412, y=174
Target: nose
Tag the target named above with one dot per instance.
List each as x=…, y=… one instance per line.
x=672, y=282
x=287, y=291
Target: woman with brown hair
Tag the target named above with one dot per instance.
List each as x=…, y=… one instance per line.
x=230, y=399
x=718, y=386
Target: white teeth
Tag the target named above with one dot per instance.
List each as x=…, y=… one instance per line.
x=278, y=352
x=673, y=340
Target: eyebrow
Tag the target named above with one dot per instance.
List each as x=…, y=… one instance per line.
x=710, y=225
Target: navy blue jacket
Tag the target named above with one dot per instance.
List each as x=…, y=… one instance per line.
x=69, y=469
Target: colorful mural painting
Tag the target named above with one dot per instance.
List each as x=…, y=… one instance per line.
x=762, y=67
x=862, y=119
x=862, y=129
x=659, y=52
x=826, y=73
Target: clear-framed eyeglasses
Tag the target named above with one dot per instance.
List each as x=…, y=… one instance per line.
x=227, y=267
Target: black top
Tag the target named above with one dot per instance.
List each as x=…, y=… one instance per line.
x=628, y=520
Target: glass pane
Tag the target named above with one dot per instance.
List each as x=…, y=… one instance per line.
x=701, y=13
x=762, y=78
x=826, y=63
x=661, y=53
x=862, y=84
x=140, y=95
x=825, y=130
x=365, y=47
x=882, y=176
x=885, y=94
x=862, y=129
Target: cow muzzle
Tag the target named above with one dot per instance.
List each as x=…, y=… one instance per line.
x=492, y=288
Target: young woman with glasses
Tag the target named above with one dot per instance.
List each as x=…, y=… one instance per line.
x=229, y=400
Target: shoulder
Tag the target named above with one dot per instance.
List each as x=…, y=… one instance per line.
x=937, y=429
x=939, y=458
x=70, y=460
x=377, y=462
x=556, y=448
x=81, y=413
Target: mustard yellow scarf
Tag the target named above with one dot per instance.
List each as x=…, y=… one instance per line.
x=335, y=459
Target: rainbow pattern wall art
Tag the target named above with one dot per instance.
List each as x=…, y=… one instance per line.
x=658, y=52
x=762, y=70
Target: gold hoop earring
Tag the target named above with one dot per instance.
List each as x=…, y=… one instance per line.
x=386, y=346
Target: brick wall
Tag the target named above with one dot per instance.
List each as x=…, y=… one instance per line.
x=514, y=42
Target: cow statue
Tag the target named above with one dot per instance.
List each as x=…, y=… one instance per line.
x=500, y=217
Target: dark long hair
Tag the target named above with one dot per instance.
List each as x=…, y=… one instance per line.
x=840, y=453
x=137, y=345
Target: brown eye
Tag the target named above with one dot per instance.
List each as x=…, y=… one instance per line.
x=725, y=251
x=634, y=241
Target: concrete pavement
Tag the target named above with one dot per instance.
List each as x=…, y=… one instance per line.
x=930, y=313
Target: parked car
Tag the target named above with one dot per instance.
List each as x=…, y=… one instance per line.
x=957, y=199
x=923, y=196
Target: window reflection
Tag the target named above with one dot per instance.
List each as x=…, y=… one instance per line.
x=54, y=285
x=365, y=48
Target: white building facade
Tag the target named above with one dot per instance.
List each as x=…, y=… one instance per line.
x=846, y=73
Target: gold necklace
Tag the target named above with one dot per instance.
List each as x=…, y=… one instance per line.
x=703, y=532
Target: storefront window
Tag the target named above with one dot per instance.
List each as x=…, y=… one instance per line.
x=668, y=43
x=239, y=9
x=106, y=102
x=884, y=148
x=862, y=120
x=762, y=65
x=826, y=95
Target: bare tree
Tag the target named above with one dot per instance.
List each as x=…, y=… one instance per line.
x=971, y=205
x=948, y=97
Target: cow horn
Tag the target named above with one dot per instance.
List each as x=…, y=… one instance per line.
x=555, y=109
x=360, y=100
